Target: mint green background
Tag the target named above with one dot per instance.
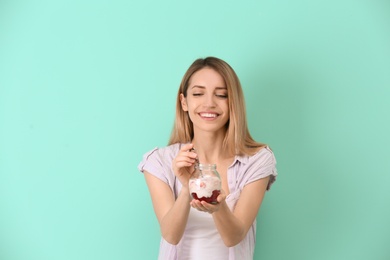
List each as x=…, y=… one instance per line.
x=87, y=87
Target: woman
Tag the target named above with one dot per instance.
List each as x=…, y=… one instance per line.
x=211, y=127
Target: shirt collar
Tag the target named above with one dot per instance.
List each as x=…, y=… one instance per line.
x=240, y=158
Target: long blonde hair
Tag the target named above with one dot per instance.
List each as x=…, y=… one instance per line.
x=238, y=140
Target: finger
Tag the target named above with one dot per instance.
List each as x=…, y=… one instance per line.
x=184, y=163
x=220, y=198
x=186, y=150
x=187, y=147
x=197, y=205
x=187, y=157
x=208, y=206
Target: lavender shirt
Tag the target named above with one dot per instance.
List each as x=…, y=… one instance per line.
x=244, y=170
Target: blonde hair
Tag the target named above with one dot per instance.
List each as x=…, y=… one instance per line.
x=238, y=140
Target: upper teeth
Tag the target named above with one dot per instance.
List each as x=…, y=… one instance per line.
x=208, y=115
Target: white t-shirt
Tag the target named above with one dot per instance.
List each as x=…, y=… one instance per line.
x=201, y=239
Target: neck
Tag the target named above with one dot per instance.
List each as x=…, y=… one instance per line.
x=209, y=148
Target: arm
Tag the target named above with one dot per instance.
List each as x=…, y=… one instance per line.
x=172, y=215
x=233, y=226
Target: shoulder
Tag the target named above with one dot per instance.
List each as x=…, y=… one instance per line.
x=254, y=167
x=261, y=156
x=264, y=153
x=158, y=162
x=160, y=154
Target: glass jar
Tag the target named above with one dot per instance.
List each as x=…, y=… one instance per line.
x=205, y=183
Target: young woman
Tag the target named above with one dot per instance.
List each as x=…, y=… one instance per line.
x=211, y=127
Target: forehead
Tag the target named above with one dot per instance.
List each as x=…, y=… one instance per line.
x=207, y=77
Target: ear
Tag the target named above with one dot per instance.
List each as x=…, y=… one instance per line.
x=183, y=102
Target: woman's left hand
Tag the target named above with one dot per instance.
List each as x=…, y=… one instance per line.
x=207, y=207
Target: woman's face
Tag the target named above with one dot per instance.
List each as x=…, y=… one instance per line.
x=206, y=101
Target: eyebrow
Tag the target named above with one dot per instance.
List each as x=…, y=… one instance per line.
x=199, y=86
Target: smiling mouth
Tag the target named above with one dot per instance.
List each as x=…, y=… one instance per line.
x=208, y=115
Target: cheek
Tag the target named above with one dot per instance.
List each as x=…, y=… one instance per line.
x=191, y=105
x=226, y=107
x=191, y=109
x=227, y=111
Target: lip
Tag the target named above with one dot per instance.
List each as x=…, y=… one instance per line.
x=208, y=115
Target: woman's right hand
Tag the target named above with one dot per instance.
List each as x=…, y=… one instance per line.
x=183, y=164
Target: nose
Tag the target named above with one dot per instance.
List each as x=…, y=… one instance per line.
x=209, y=100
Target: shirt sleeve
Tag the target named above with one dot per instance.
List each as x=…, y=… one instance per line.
x=158, y=162
x=261, y=165
x=153, y=164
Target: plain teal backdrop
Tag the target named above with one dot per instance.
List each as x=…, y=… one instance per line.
x=87, y=87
